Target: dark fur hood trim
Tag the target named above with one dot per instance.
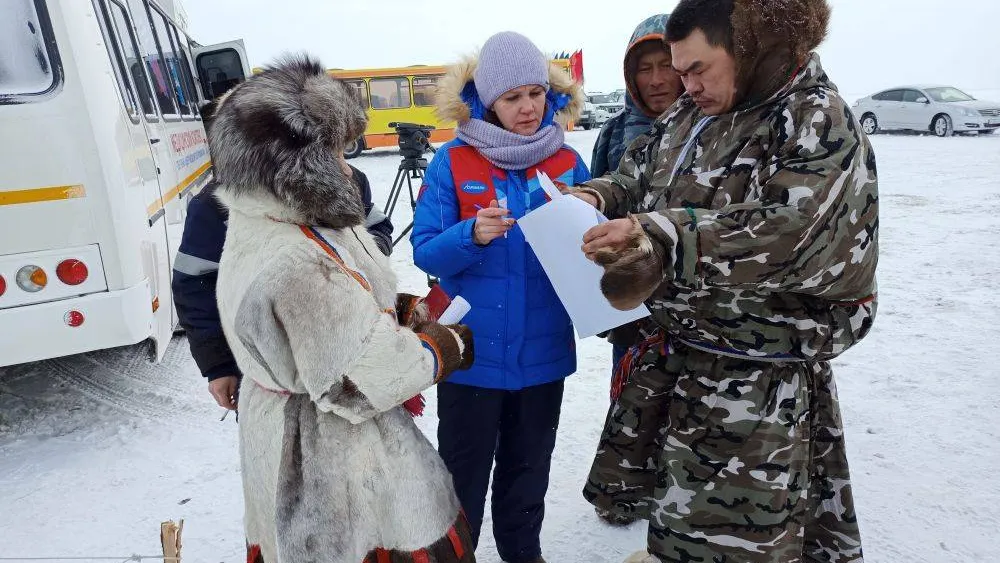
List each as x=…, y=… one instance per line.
x=772, y=39
x=274, y=142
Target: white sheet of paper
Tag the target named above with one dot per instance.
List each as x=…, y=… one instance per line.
x=555, y=232
x=548, y=186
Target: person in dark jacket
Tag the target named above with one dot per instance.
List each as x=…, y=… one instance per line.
x=196, y=267
x=652, y=87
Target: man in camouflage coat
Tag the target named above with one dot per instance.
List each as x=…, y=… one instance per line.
x=747, y=221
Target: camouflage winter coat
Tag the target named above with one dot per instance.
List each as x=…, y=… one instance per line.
x=767, y=220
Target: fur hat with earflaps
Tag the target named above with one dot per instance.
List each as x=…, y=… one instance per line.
x=275, y=143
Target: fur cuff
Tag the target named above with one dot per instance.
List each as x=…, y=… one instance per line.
x=663, y=236
x=600, y=198
x=464, y=335
x=632, y=275
x=451, y=345
x=411, y=310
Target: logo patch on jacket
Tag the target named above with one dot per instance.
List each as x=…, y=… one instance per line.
x=474, y=188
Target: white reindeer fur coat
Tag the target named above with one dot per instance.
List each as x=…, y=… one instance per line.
x=333, y=467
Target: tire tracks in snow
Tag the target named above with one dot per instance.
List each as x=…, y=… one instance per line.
x=126, y=380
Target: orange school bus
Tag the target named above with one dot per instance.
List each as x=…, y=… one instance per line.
x=406, y=94
x=403, y=94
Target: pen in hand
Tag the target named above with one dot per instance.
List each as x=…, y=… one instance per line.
x=491, y=222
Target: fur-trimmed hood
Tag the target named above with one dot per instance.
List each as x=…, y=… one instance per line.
x=652, y=28
x=771, y=40
x=451, y=107
x=275, y=141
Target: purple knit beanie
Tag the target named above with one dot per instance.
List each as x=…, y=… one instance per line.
x=509, y=60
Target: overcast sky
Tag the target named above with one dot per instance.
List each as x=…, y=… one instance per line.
x=873, y=44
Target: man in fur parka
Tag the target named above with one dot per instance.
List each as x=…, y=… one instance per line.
x=747, y=221
x=334, y=470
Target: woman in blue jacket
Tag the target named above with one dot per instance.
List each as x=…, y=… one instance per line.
x=508, y=104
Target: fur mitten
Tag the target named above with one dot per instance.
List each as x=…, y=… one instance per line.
x=411, y=310
x=633, y=274
x=468, y=353
x=452, y=344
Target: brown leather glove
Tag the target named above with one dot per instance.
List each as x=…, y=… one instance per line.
x=452, y=345
x=632, y=275
x=411, y=310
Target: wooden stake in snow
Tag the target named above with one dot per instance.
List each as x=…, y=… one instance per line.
x=170, y=539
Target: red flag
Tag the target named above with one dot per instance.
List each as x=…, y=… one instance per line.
x=576, y=66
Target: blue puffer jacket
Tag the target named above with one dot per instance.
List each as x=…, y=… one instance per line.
x=523, y=335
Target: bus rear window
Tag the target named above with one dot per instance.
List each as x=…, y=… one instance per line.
x=29, y=62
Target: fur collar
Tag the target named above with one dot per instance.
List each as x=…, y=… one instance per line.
x=450, y=106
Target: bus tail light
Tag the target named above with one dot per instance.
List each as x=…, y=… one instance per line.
x=32, y=279
x=3, y=286
x=72, y=272
x=73, y=318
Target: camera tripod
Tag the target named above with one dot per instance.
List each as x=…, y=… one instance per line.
x=414, y=141
x=409, y=169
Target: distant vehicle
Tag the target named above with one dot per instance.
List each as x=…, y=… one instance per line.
x=393, y=95
x=606, y=106
x=618, y=95
x=400, y=95
x=587, y=117
x=942, y=110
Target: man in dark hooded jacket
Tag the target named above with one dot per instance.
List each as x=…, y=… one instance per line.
x=747, y=221
x=652, y=86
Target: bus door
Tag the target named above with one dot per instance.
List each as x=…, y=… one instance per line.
x=132, y=71
x=220, y=67
x=176, y=112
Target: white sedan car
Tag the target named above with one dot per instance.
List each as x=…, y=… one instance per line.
x=942, y=110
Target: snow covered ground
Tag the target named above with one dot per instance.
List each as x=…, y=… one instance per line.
x=97, y=450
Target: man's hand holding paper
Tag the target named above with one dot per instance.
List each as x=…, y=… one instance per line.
x=555, y=232
x=610, y=237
